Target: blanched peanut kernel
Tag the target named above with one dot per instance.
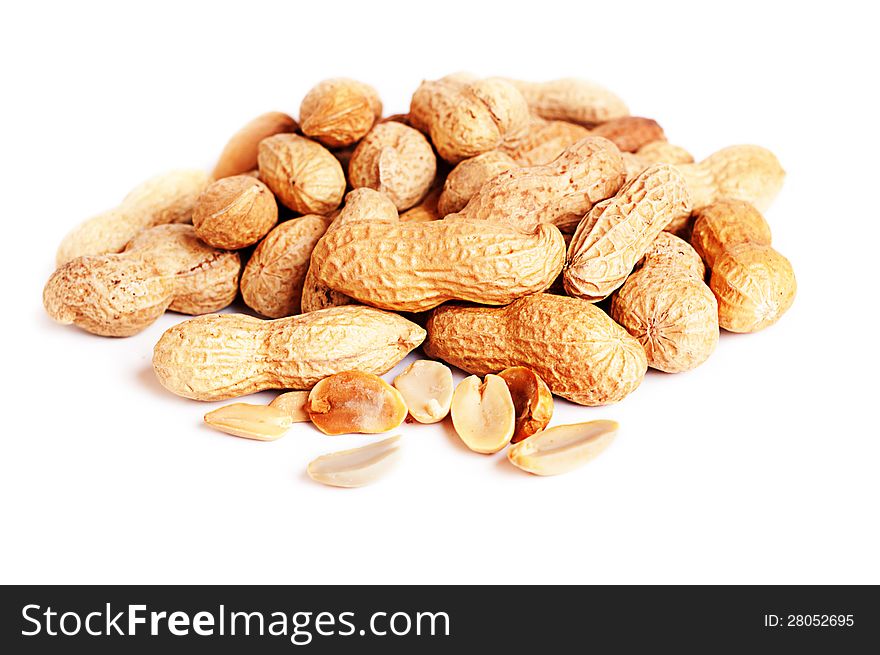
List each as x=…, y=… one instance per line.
x=483, y=414
x=427, y=387
x=356, y=467
x=562, y=448
x=259, y=422
x=293, y=404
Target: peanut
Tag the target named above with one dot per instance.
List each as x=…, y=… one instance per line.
x=562, y=448
x=616, y=233
x=356, y=467
x=354, y=401
x=668, y=308
x=427, y=209
x=339, y=111
x=725, y=224
x=542, y=141
x=559, y=193
x=754, y=285
x=553, y=186
x=222, y=356
x=483, y=413
x=259, y=422
x=272, y=282
x=465, y=117
x=293, y=405
x=234, y=212
x=468, y=177
x=360, y=205
x=660, y=152
x=417, y=266
x=301, y=173
x=663, y=152
x=167, y=198
x=165, y=267
x=240, y=154
x=571, y=344
x=573, y=100
x=426, y=387
x=396, y=160
x=630, y=133
x=656, y=152
x=670, y=250
x=749, y=173
x=532, y=401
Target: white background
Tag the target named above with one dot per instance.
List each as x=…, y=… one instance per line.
x=760, y=466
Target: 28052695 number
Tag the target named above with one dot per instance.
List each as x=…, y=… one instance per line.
x=820, y=620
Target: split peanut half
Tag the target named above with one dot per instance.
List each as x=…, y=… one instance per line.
x=483, y=413
x=356, y=467
x=426, y=386
x=562, y=448
x=353, y=401
x=532, y=401
x=259, y=422
x=293, y=404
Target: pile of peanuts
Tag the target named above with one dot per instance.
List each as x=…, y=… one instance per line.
x=535, y=235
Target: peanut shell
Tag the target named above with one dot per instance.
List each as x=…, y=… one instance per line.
x=165, y=267
x=754, y=285
x=542, y=141
x=672, y=313
x=301, y=173
x=663, y=152
x=616, y=233
x=724, y=224
x=670, y=250
x=239, y=156
x=396, y=160
x=339, y=112
x=749, y=173
x=416, y=266
x=465, y=117
x=163, y=199
x=427, y=209
x=234, y=212
x=573, y=100
x=360, y=205
x=223, y=356
x=630, y=133
x=468, y=177
x=559, y=193
x=272, y=282
x=571, y=344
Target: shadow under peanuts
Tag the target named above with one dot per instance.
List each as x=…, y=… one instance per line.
x=504, y=467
